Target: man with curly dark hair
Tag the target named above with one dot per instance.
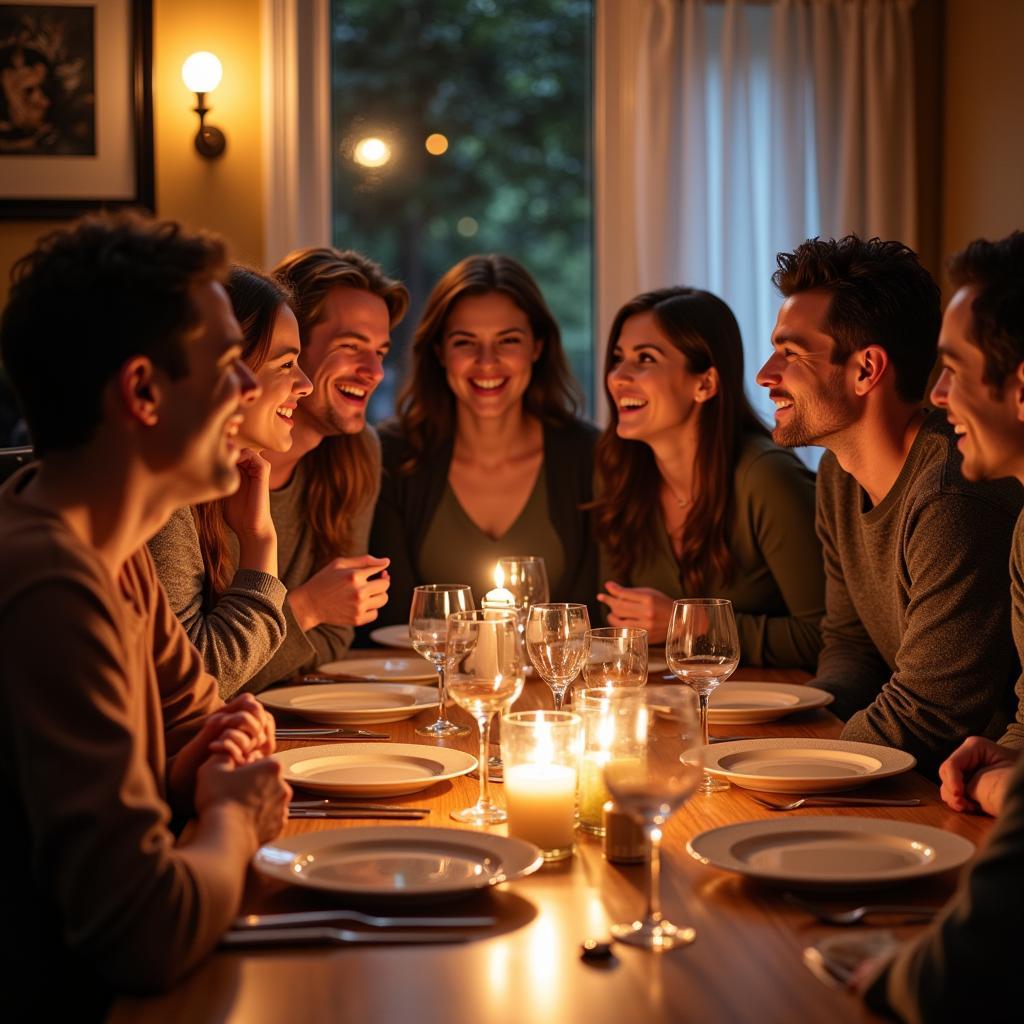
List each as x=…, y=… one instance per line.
x=917, y=645
x=121, y=345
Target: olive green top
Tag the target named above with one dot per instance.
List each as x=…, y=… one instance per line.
x=456, y=550
x=778, y=586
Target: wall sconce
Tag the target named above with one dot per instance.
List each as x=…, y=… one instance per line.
x=201, y=74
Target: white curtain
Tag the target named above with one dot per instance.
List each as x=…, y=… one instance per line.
x=296, y=126
x=727, y=132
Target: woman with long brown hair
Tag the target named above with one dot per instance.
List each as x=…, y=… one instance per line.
x=694, y=498
x=218, y=561
x=487, y=456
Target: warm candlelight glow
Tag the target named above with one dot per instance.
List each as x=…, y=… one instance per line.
x=372, y=152
x=499, y=597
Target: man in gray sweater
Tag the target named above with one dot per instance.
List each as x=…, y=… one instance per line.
x=917, y=645
x=967, y=961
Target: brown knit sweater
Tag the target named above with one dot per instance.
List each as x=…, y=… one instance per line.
x=99, y=690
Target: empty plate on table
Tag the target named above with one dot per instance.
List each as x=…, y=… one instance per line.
x=372, y=769
x=742, y=703
x=784, y=765
x=391, y=670
x=410, y=862
x=351, y=703
x=656, y=663
x=392, y=636
x=831, y=851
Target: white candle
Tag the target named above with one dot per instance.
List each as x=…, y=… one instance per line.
x=499, y=597
x=541, y=801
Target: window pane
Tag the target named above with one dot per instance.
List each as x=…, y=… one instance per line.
x=460, y=127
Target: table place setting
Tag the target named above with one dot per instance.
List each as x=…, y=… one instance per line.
x=352, y=703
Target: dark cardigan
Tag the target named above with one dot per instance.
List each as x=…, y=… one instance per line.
x=407, y=504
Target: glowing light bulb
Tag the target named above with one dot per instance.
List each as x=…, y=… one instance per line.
x=202, y=72
x=371, y=152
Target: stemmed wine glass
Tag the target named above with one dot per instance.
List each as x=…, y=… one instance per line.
x=649, y=780
x=616, y=656
x=526, y=578
x=556, y=640
x=428, y=630
x=702, y=650
x=484, y=666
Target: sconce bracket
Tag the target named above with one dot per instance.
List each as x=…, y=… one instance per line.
x=210, y=141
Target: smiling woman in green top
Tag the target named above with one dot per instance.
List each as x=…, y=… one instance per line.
x=694, y=499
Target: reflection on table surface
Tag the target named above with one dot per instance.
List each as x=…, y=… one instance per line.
x=745, y=965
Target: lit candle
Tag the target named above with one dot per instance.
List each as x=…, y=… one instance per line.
x=499, y=597
x=541, y=801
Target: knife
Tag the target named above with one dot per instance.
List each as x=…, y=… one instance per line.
x=332, y=936
x=298, y=732
x=318, y=917
x=338, y=812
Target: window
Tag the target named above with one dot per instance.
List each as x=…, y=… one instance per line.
x=463, y=126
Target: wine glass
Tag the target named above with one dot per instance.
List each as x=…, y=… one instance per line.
x=526, y=578
x=649, y=780
x=484, y=666
x=428, y=630
x=703, y=649
x=556, y=640
x=616, y=656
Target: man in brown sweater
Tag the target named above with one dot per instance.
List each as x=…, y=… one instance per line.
x=917, y=645
x=122, y=347
x=965, y=965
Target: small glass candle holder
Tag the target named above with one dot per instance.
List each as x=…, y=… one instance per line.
x=541, y=753
x=610, y=723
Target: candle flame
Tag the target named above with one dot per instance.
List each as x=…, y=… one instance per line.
x=499, y=577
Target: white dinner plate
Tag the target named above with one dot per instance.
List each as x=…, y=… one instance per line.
x=397, y=862
x=789, y=765
x=372, y=769
x=656, y=663
x=743, y=703
x=385, y=670
x=392, y=636
x=351, y=703
x=831, y=851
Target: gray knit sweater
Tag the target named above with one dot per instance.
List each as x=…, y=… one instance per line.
x=237, y=635
x=917, y=644
x=246, y=643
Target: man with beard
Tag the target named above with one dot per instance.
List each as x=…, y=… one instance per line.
x=917, y=645
x=323, y=490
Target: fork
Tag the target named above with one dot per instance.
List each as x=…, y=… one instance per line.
x=331, y=936
x=299, y=732
x=857, y=914
x=834, y=801
x=326, y=917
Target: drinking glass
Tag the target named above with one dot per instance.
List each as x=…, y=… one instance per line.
x=526, y=578
x=649, y=780
x=484, y=674
x=428, y=630
x=616, y=656
x=556, y=640
x=702, y=650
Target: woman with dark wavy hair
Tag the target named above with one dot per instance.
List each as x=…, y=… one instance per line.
x=487, y=456
x=218, y=561
x=694, y=498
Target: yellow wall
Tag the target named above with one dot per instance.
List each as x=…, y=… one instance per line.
x=983, y=131
x=224, y=195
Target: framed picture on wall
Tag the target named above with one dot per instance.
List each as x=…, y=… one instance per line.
x=76, y=107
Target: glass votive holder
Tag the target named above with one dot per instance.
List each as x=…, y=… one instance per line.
x=611, y=720
x=540, y=751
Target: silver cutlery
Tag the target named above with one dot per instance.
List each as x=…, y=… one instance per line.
x=294, y=733
x=319, y=917
x=729, y=739
x=857, y=914
x=253, y=937
x=834, y=801
x=343, y=805
x=340, y=813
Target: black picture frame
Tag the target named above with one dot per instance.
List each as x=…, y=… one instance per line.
x=141, y=92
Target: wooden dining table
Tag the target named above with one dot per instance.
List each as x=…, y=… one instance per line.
x=745, y=965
